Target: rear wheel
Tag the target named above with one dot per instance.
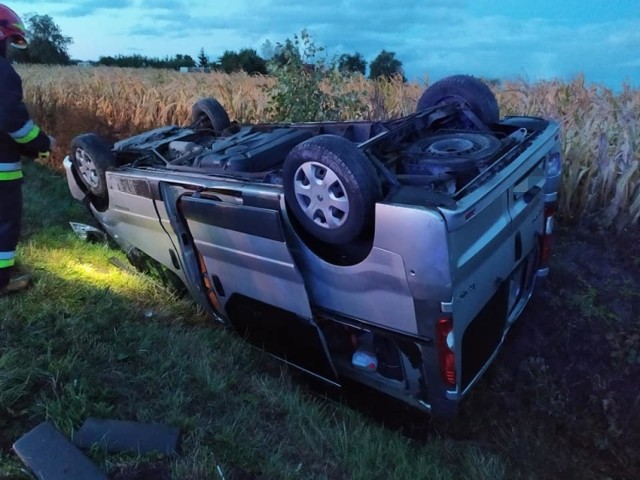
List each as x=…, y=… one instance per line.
x=91, y=157
x=331, y=188
x=465, y=90
x=209, y=114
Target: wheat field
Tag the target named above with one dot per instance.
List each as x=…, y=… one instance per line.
x=600, y=128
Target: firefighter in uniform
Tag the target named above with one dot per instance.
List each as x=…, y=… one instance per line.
x=19, y=136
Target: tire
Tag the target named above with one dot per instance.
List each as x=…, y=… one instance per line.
x=466, y=90
x=456, y=152
x=209, y=114
x=331, y=188
x=91, y=157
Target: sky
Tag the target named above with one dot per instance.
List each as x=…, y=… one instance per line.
x=502, y=39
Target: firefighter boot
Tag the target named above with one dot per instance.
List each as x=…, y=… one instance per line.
x=16, y=284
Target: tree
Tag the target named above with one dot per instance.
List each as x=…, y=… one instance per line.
x=246, y=60
x=385, y=65
x=268, y=50
x=176, y=62
x=251, y=62
x=285, y=53
x=352, y=63
x=230, y=61
x=203, y=60
x=47, y=44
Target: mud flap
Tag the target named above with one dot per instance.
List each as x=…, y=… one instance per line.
x=237, y=261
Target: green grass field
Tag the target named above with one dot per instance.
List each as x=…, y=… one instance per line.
x=90, y=339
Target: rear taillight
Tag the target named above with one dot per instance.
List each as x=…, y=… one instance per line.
x=546, y=239
x=554, y=164
x=446, y=354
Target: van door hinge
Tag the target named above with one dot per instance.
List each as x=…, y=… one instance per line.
x=446, y=307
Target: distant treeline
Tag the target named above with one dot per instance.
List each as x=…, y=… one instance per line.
x=246, y=60
x=139, y=61
x=48, y=46
x=249, y=61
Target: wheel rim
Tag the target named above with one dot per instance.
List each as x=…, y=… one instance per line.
x=321, y=195
x=205, y=122
x=87, y=168
x=451, y=146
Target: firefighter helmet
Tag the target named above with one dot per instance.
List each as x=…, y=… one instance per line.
x=11, y=28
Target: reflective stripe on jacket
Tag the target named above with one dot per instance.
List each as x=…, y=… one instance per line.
x=10, y=171
x=28, y=132
x=7, y=259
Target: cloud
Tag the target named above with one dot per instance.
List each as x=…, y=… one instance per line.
x=436, y=38
x=83, y=8
x=175, y=5
x=71, y=8
x=491, y=38
x=629, y=36
x=284, y=18
x=635, y=63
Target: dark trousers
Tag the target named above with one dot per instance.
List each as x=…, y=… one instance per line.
x=10, y=220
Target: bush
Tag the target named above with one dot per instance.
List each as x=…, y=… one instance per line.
x=308, y=88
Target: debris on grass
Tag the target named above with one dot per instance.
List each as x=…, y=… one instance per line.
x=116, y=436
x=50, y=456
x=88, y=233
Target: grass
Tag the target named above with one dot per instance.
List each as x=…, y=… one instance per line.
x=89, y=339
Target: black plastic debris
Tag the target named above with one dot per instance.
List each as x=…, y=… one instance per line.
x=116, y=262
x=116, y=436
x=50, y=456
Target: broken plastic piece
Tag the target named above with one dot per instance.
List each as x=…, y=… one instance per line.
x=116, y=262
x=365, y=360
x=50, y=456
x=117, y=436
x=88, y=233
x=364, y=356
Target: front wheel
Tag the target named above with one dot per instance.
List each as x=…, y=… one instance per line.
x=331, y=188
x=91, y=157
x=209, y=114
